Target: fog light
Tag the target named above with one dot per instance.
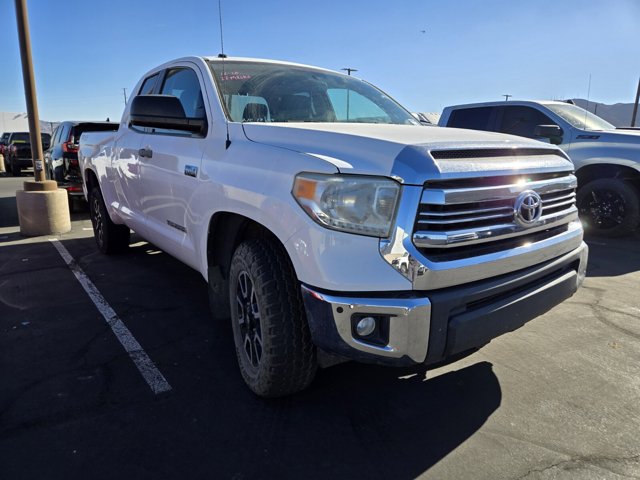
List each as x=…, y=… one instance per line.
x=366, y=326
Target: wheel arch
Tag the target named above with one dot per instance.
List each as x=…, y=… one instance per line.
x=90, y=180
x=595, y=171
x=226, y=231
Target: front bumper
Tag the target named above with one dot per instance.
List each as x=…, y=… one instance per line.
x=431, y=326
x=23, y=162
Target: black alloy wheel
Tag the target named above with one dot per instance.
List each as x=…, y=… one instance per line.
x=609, y=207
x=110, y=238
x=97, y=220
x=248, y=318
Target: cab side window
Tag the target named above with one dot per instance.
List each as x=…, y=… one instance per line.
x=477, y=118
x=184, y=84
x=148, y=85
x=522, y=121
x=147, y=88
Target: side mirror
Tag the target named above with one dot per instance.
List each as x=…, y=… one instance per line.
x=163, y=111
x=552, y=132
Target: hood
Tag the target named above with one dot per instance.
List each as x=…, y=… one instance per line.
x=403, y=151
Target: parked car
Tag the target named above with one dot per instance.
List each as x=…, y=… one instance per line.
x=61, y=159
x=326, y=219
x=4, y=141
x=607, y=160
x=18, y=152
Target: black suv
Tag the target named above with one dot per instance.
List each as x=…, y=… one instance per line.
x=61, y=159
x=17, y=153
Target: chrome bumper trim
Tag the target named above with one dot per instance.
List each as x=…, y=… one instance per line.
x=408, y=326
x=424, y=274
x=491, y=233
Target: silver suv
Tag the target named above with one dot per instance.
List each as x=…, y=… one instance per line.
x=607, y=159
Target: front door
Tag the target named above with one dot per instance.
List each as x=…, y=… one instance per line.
x=170, y=167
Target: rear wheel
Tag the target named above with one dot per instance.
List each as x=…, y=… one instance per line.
x=609, y=207
x=110, y=238
x=271, y=335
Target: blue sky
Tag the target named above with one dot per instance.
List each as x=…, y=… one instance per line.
x=85, y=52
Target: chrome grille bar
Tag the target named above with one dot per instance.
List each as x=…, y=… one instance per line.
x=442, y=196
x=453, y=217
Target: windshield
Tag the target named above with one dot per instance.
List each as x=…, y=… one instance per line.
x=579, y=117
x=269, y=92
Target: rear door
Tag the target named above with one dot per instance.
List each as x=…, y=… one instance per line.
x=125, y=168
x=169, y=171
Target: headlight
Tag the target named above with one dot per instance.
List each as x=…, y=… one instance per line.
x=351, y=203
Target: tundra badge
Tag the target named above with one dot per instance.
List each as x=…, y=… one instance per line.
x=191, y=170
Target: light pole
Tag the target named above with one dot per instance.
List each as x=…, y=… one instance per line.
x=30, y=92
x=349, y=70
x=43, y=208
x=507, y=97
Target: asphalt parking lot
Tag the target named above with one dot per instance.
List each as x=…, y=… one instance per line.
x=559, y=398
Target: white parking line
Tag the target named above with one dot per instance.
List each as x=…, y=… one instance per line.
x=147, y=368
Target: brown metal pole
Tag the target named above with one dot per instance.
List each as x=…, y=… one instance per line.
x=30, y=89
x=635, y=106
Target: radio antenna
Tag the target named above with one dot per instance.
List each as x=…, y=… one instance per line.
x=223, y=78
x=221, y=35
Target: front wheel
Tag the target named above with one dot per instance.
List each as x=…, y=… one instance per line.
x=609, y=207
x=270, y=331
x=110, y=238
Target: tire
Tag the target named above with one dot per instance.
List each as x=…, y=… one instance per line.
x=271, y=335
x=609, y=207
x=110, y=238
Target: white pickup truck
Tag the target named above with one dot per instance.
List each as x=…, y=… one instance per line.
x=326, y=220
x=606, y=158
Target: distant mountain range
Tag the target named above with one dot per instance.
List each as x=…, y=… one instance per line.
x=618, y=114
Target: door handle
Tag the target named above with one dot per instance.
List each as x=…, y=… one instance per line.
x=145, y=152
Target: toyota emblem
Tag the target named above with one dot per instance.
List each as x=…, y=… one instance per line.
x=528, y=208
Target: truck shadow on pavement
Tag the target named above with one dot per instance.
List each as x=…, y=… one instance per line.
x=74, y=406
x=365, y=422
x=611, y=257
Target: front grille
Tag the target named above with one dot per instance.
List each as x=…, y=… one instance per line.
x=474, y=219
x=500, y=245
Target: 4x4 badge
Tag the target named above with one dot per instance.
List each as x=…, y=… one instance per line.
x=528, y=208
